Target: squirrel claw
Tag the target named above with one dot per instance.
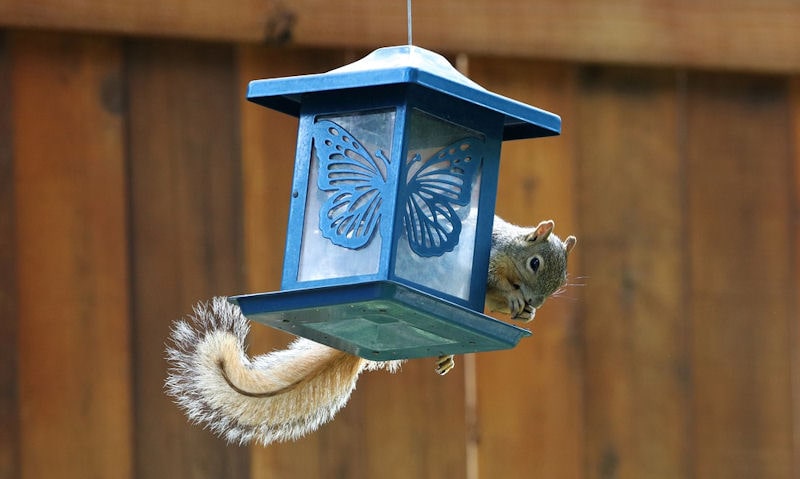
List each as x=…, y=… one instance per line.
x=517, y=304
x=526, y=315
x=444, y=364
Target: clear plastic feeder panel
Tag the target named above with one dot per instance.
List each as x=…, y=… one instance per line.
x=438, y=205
x=349, y=182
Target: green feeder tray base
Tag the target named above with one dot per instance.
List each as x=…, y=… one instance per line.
x=380, y=321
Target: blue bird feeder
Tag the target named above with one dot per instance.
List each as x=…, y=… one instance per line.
x=392, y=206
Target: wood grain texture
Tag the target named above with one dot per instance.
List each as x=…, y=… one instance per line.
x=414, y=423
x=268, y=146
x=630, y=186
x=186, y=230
x=739, y=200
x=740, y=34
x=268, y=149
x=795, y=325
x=71, y=225
x=135, y=180
x=393, y=426
x=9, y=405
x=529, y=401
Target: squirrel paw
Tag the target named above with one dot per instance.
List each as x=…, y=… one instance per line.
x=516, y=303
x=526, y=315
x=444, y=364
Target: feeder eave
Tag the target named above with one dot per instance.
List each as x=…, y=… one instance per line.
x=286, y=94
x=408, y=65
x=520, y=120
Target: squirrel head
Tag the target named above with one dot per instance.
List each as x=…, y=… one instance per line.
x=541, y=261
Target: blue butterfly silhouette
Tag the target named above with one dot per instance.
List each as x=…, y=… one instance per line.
x=360, y=182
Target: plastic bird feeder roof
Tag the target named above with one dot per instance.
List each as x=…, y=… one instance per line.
x=392, y=206
x=406, y=65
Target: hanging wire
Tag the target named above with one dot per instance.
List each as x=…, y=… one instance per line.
x=408, y=13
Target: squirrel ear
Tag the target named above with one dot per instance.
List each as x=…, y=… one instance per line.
x=542, y=231
x=570, y=243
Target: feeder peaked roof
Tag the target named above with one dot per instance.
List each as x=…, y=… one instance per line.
x=406, y=65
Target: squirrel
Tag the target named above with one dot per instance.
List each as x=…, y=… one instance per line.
x=284, y=395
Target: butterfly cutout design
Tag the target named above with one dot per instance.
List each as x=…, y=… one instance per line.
x=359, y=184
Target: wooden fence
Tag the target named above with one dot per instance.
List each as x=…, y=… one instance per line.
x=135, y=180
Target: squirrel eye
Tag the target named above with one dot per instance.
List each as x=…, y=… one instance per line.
x=534, y=263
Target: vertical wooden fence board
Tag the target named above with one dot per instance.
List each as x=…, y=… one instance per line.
x=186, y=230
x=9, y=406
x=632, y=225
x=268, y=146
x=415, y=423
x=393, y=426
x=71, y=224
x=795, y=246
x=739, y=186
x=529, y=399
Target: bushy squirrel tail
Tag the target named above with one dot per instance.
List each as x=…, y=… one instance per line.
x=278, y=396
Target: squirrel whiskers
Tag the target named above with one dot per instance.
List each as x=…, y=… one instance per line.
x=262, y=399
